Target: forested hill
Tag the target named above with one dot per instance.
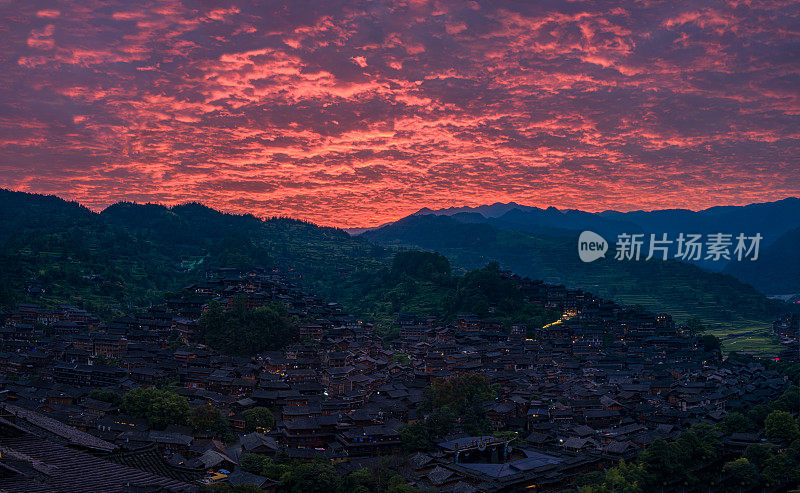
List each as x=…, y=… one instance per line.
x=204, y=237
x=778, y=268
x=133, y=253
x=771, y=220
x=678, y=288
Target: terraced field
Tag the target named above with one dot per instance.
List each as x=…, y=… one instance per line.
x=741, y=335
x=746, y=336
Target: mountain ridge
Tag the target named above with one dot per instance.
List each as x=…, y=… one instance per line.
x=661, y=286
x=771, y=220
x=512, y=205
x=132, y=253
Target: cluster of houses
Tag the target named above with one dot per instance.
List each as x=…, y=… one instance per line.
x=578, y=395
x=787, y=328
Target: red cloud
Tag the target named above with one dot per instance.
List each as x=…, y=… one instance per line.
x=348, y=114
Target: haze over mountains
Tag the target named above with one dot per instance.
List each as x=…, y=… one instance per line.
x=777, y=271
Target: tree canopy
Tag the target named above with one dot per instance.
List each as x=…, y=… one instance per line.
x=781, y=425
x=208, y=419
x=245, y=332
x=159, y=407
x=421, y=265
x=693, y=461
x=452, y=402
x=258, y=418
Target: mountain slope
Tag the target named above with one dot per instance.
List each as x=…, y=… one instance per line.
x=771, y=220
x=517, y=217
x=777, y=271
x=134, y=253
x=681, y=289
x=74, y=255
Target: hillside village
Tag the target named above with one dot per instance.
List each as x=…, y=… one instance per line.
x=575, y=396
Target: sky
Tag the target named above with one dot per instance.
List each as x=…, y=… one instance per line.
x=355, y=113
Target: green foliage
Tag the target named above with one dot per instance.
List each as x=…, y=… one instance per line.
x=159, y=407
x=670, y=287
x=480, y=288
x=458, y=392
x=402, y=359
x=265, y=466
x=789, y=400
x=710, y=343
x=258, y=418
x=131, y=254
x=313, y=477
x=320, y=476
x=417, y=286
x=781, y=425
x=416, y=437
x=694, y=326
x=397, y=484
x=252, y=463
x=781, y=468
x=740, y=473
x=75, y=254
x=594, y=478
x=455, y=400
x=789, y=368
x=736, y=422
x=208, y=419
x=663, y=464
x=241, y=331
x=507, y=435
x=693, y=460
x=759, y=453
x=359, y=481
x=420, y=265
x=106, y=396
x=238, y=251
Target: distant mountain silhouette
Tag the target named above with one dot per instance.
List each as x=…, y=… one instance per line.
x=770, y=219
x=550, y=254
x=777, y=271
x=490, y=211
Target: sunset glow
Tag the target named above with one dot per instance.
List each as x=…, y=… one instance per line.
x=357, y=113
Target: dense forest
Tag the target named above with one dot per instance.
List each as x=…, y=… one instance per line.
x=422, y=283
x=131, y=254
x=244, y=332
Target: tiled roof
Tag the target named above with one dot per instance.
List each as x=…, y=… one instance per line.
x=72, y=470
x=50, y=425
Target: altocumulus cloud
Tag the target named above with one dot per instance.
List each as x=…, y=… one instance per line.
x=354, y=113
